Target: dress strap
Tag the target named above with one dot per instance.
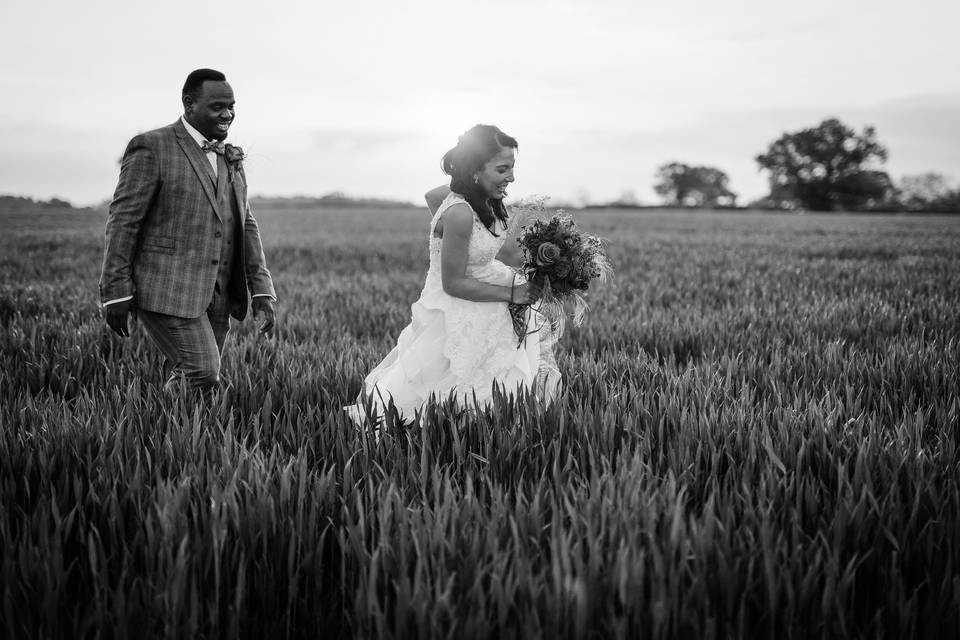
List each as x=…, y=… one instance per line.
x=451, y=199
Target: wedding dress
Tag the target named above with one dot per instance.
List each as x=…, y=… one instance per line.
x=460, y=347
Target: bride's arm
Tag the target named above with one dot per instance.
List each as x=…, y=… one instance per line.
x=457, y=226
x=435, y=197
x=510, y=253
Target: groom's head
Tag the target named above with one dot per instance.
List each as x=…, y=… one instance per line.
x=208, y=103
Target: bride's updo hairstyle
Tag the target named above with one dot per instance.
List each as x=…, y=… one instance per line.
x=474, y=149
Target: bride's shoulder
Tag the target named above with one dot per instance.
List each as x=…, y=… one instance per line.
x=458, y=214
x=455, y=205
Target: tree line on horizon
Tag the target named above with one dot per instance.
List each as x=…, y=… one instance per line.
x=829, y=167
x=13, y=203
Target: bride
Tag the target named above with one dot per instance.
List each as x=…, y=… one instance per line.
x=460, y=340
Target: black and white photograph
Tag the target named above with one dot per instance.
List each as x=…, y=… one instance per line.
x=479, y=319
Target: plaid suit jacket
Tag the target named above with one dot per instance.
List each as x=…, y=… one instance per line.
x=164, y=232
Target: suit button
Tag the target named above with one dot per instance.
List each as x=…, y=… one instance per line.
x=217, y=234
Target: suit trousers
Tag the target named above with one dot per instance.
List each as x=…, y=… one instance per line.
x=192, y=346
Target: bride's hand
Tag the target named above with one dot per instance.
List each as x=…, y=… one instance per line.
x=525, y=293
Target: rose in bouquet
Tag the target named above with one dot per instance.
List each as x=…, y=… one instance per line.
x=559, y=259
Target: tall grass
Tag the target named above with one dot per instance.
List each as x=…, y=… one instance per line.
x=759, y=438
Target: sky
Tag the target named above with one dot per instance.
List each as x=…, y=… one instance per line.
x=364, y=97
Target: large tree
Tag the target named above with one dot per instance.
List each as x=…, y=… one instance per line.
x=681, y=185
x=827, y=167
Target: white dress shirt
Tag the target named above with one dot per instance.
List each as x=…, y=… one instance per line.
x=200, y=140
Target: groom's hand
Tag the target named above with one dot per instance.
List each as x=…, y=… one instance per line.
x=116, y=316
x=263, y=314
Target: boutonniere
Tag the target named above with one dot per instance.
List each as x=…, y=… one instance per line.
x=234, y=156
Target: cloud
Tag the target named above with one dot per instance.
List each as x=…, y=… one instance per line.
x=359, y=140
x=366, y=96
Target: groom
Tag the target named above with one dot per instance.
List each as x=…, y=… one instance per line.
x=182, y=248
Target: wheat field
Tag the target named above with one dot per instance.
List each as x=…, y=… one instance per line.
x=759, y=439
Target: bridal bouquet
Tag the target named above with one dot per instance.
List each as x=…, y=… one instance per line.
x=562, y=261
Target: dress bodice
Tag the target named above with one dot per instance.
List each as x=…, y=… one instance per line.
x=483, y=247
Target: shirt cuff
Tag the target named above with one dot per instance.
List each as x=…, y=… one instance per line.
x=264, y=295
x=109, y=302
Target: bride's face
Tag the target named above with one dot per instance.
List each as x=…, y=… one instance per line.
x=497, y=173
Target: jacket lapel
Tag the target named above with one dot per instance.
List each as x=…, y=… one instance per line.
x=239, y=191
x=222, y=177
x=199, y=163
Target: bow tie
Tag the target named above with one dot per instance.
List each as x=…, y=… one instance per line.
x=216, y=146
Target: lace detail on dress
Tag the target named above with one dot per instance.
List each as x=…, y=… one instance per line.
x=472, y=338
x=483, y=247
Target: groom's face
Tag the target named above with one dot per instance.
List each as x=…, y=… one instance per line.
x=211, y=112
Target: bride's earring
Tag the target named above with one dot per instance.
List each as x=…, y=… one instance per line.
x=476, y=180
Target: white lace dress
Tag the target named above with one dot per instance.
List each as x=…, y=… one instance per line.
x=459, y=346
